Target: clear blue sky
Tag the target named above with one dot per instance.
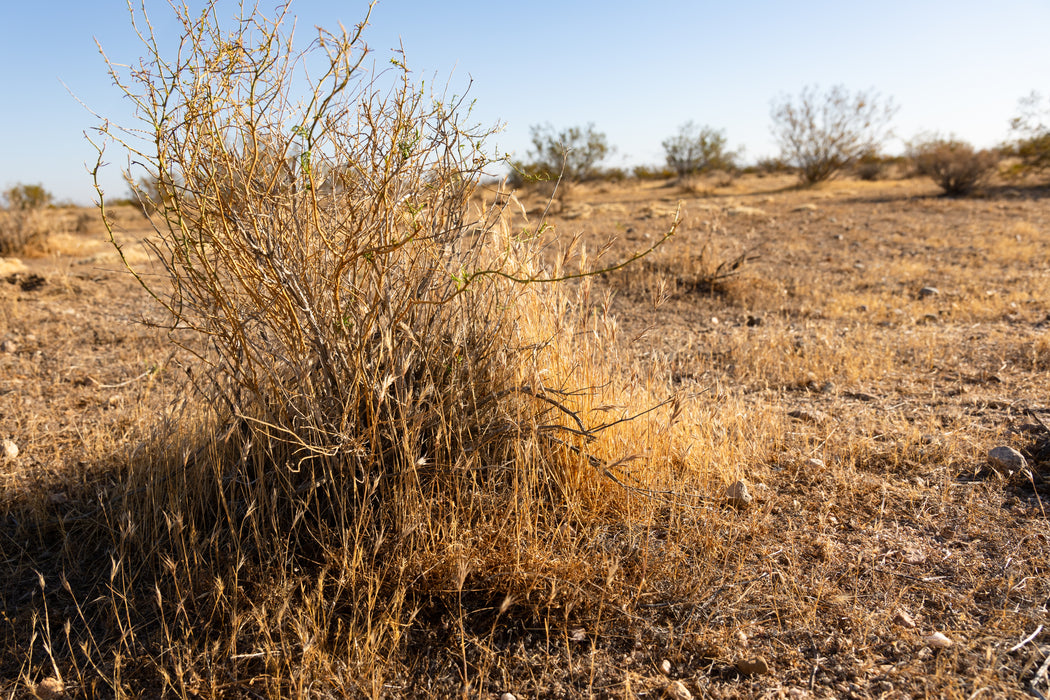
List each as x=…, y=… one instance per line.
x=636, y=71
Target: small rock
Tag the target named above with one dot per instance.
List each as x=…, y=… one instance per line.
x=903, y=619
x=578, y=635
x=741, y=638
x=938, y=641
x=928, y=292
x=753, y=667
x=665, y=667
x=508, y=696
x=676, y=690
x=50, y=689
x=815, y=463
x=805, y=207
x=1006, y=458
x=9, y=346
x=739, y=494
x=9, y=449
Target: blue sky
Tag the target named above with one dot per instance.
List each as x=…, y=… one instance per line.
x=636, y=72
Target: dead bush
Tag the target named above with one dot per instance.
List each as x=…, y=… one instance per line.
x=24, y=224
x=954, y=165
x=399, y=394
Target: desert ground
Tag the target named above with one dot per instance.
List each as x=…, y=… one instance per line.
x=850, y=353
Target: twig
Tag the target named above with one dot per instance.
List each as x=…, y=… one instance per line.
x=1041, y=673
x=1027, y=639
x=100, y=385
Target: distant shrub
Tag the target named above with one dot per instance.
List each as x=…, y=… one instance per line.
x=770, y=165
x=23, y=226
x=1032, y=127
x=649, y=172
x=24, y=197
x=869, y=166
x=954, y=165
x=572, y=154
x=821, y=134
x=698, y=149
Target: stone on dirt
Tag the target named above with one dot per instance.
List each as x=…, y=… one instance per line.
x=9, y=449
x=739, y=494
x=676, y=690
x=938, y=641
x=753, y=667
x=1007, y=459
x=928, y=292
x=903, y=619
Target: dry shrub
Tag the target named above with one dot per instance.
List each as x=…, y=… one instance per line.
x=400, y=399
x=23, y=232
x=954, y=165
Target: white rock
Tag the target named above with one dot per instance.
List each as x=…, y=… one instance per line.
x=676, y=690
x=739, y=494
x=508, y=696
x=938, y=641
x=665, y=667
x=1006, y=458
x=9, y=449
x=929, y=292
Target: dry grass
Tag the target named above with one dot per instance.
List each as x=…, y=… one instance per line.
x=840, y=363
x=363, y=446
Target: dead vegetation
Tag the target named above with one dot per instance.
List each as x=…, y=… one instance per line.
x=863, y=409
x=380, y=454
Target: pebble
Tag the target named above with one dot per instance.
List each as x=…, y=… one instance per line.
x=938, y=641
x=676, y=690
x=1006, y=458
x=508, y=696
x=9, y=449
x=50, y=689
x=928, y=292
x=753, y=667
x=739, y=494
x=903, y=619
x=665, y=667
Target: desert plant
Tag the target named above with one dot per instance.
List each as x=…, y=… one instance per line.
x=27, y=197
x=698, y=149
x=954, y=165
x=572, y=154
x=822, y=133
x=23, y=225
x=869, y=166
x=393, y=373
x=1032, y=129
x=648, y=172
